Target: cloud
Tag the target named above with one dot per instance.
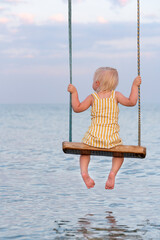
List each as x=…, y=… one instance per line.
x=40, y=41
x=20, y=53
x=123, y=2
x=74, y=1
x=26, y=18
x=152, y=17
x=120, y=2
x=2, y=9
x=57, y=18
x=12, y=1
x=4, y=20
x=41, y=52
x=101, y=20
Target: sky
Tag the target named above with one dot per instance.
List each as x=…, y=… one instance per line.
x=34, y=54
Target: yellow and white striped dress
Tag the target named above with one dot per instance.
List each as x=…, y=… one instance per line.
x=104, y=128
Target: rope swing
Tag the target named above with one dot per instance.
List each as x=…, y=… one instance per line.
x=138, y=68
x=70, y=64
x=118, y=151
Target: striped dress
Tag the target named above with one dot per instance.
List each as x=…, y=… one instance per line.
x=104, y=128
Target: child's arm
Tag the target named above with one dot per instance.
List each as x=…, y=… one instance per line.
x=76, y=104
x=132, y=100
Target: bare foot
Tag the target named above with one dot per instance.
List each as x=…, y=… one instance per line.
x=110, y=181
x=88, y=180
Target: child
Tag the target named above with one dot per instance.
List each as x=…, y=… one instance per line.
x=104, y=128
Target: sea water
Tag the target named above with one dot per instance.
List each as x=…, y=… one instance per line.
x=42, y=195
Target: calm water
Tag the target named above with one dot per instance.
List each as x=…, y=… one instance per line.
x=42, y=195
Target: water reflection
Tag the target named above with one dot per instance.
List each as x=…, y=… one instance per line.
x=93, y=228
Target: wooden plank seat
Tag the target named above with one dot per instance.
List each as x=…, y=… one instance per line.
x=126, y=151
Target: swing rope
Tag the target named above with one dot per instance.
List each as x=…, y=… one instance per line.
x=138, y=68
x=70, y=64
x=70, y=67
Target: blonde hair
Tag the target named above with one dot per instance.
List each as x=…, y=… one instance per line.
x=107, y=77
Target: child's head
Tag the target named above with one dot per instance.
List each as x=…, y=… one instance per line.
x=107, y=79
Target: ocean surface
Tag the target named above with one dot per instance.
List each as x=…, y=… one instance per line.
x=42, y=195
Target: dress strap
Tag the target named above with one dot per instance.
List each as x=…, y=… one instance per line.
x=113, y=94
x=95, y=95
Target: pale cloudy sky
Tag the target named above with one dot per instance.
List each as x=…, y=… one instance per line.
x=34, y=47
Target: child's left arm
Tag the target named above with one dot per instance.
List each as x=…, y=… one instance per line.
x=76, y=104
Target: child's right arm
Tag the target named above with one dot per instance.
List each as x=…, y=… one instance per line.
x=76, y=104
x=132, y=100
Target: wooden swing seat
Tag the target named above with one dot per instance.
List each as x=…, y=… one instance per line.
x=118, y=151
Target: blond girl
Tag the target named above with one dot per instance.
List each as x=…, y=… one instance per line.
x=104, y=129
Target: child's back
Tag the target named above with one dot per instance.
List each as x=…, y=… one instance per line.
x=104, y=128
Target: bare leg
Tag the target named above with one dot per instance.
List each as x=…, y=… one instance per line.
x=84, y=162
x=116, y=165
